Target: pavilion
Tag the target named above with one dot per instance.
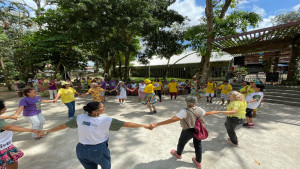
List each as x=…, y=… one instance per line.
x=277, y=44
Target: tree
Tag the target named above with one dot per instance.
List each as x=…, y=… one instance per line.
x=286, y=17
x=216, y=24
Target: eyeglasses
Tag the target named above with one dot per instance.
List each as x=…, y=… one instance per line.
x=101, y=108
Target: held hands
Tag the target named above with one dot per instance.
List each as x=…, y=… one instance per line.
x=40, y=133
x=14, y=117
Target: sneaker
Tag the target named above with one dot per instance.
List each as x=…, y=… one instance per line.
x=230, y=142
x=150, y=113
x=251, y=124
x=154, y=111
x=198, y=165
x=121, y=104
x=245, y=124
x=174, y=153
x=210, y=101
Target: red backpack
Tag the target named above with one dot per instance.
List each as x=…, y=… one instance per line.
x=200, y=131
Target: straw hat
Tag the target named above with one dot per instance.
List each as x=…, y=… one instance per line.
x=64, y=83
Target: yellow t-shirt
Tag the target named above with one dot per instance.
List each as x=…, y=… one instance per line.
x=172, y=87
x=245, y=89
x=82, y=82
x=89, y=82
x=250, y=90
x=225, y=89
x=67, y=95
x=96, y=93
x=149, y=89
x=210, y=87
x=240, y=107
x=159, y=85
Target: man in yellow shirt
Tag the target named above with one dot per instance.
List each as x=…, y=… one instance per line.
x=210, y=86
x=225, y=89
x=173, y=88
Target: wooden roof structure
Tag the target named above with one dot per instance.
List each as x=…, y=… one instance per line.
x=273, y=39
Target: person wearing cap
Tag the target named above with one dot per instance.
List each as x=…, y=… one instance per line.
x=150, y=98
x=195, y=85
x=67, y=97
x=121, y=92
x=253, y=102
x=93, y=135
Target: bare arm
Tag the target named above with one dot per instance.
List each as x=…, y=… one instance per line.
x=57, y=128
x=211, y=112
x=57, y=96
x=10, y=127
x=171, y=120
x=232, y=111
x=114, y=89
x=7, y=117
x=19, y=110
x=133, y=125
x=48, y=101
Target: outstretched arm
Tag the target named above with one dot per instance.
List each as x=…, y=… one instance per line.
x=134, y=125
x=7, y=117
x=56, y=128
x=10, y=127
x=171, y=120
x=19, y=110
x=232, y=111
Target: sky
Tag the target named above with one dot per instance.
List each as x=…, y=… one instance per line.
x=194, y=9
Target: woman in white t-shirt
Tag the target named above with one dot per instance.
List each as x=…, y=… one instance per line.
x=93, y=130
x=187, y=118
x=9, y=154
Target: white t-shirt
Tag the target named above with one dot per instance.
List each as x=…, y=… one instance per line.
x=255, y=95
x=133, y=86
x=5, y=136
x=142, y=87
x=182, y=113
x=94, y=130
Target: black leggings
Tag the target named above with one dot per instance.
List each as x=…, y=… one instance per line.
x=158, y=92
x=185, y=136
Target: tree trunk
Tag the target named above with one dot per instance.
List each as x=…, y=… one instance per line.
x=97, y=67
x=206, y=64
x=167, y=69
x=60, y=61
x=120, y=67
x=293, y=67
x=127, y=57
x=114, y=68
x=5, y=74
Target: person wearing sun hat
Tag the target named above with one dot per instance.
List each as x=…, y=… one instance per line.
x=150, y=98
x=67, y=97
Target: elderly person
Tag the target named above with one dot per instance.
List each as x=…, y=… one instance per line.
x=93, y=131
x=236, y=111
x=150, y=98
x=67, y=97
x=195, y=85
x=103, y=86
x=121, y=92
x=95, y=91
x=31, y=106
x=9, y=154
x=187, y=117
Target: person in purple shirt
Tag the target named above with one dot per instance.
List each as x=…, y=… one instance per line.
x=112, y=85
x=52, y=89
x=31, y=107
x=103, y=86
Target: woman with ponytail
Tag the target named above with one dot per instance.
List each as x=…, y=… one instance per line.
x=93, y=129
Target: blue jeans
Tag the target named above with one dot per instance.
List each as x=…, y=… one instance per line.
x=71, y=107
x=185, y=136
x=90, y=156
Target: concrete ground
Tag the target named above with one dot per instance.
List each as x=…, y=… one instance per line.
x=273, y=143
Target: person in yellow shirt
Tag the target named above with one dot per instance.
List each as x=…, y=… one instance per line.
x=209, y=92
x=225, y=89
x=172, y=86
x=95, y=91
x=89, y=81
x=236, y=114
x=158, y=87
x=150, y=98
x=244, y=88
x=67, y=97
x=82, y=82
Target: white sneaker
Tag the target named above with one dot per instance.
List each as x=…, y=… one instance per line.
x=121, y=104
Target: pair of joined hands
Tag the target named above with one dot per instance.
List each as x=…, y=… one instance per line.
x=150, y=126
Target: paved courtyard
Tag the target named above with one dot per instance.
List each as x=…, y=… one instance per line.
x=273, y=143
